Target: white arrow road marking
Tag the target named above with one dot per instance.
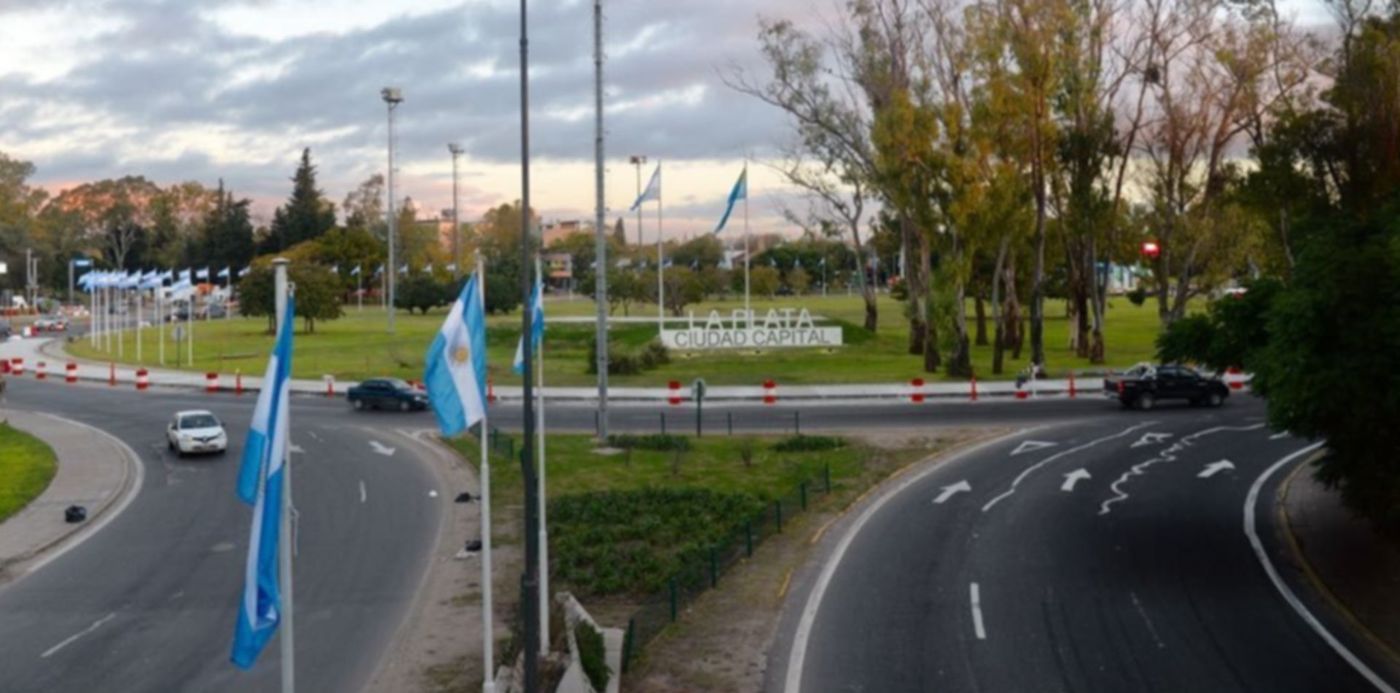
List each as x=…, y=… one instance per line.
x=432, y=493
x=73, y=638
x=363, y=494
x=1214, y=468
x=1150, y=439
x=1166, y=455
x=381, y=448
x=1031, y=446
x=1015, y=483
x=977, y=613
x=1280, y=434
x=1073, y=478
x=296, y=449
x=313, y=435
x=950, y=491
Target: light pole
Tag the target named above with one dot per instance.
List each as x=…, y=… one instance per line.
x=393, y=96
x=637, y=160
x=456, y=150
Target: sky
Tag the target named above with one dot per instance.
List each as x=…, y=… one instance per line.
x=181, y=90
x=201, y=90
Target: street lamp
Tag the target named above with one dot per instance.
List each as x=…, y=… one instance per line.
x=393, y=96
x=637, y=160
x=456, y=150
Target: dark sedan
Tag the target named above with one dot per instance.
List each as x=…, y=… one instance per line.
x=386, y=393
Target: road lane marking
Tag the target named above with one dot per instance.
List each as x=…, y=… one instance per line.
x=1279, y=435
x=313, y=435
x=73, y=638
x=1148, y=620
x=363, y=495
x=952, y=490
x=1214, y=468
x=1073, y=478
x=798, y=654
x=1150, y=439
x=1032, y=446
x=381, y=448
x=1027, y=472
x=976, y=595
x=1166, y=455
x=1283, y=589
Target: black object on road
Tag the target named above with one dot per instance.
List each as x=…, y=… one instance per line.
x=464, y=497
x=74, y=514
x=473, y=546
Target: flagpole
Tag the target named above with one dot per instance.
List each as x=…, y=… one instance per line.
x=286, y=629
x=189, y=328
x=748, y=309
x=660, y=260
x=488, y=684
x=360, y=287
x=92, y=316
x=123, y=301
x=544, y=532
x=160, y=318
x=140, y=298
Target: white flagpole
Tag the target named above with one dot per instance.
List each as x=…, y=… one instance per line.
x=107, y=322
x=360, y=287
x=287, y=629
x=488, y=684
x=660, y=259
x=140, y=298
x=160, y=318
x=544, y=532
x=92, y=316
x=189, y=329
x=748, y=309
x=123, y=301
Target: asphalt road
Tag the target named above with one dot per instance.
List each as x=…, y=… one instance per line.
x=149, y=603
x=1112, y=559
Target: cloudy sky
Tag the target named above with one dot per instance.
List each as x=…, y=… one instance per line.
x=201, y=90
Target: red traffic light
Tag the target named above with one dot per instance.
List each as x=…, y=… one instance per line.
x=1150, y=248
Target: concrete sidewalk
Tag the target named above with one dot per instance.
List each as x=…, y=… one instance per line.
x=1355, y=568
x=95, y=470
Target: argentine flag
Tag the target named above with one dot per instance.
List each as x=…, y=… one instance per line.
x=260, y=485
x=536, y=328
x=740, y=192
x=653, y=191
x=456, y=370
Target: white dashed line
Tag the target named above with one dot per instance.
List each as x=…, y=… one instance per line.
x=363, y=494
x=73, y=638
x=977, y=613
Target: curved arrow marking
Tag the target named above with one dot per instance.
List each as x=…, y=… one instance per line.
x=1151, y=439
x=381, y=448
x=1031, y=446
x=1073, y=478
x=950, y=491
x=1214, y=468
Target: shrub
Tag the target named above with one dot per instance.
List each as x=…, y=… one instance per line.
x=625, y=360
x=800, y=443
x=654, y=441
x=592, y=655
x=1138, y=296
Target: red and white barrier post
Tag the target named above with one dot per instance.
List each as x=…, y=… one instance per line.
x=973, y=395
x=673, y=392
x=211, y=382
x=490, y=390
x=5, y=366
x=770, y=392
x=1234, y=378
x=143, y=379
x=238, y=382
x=1071, y=384
x=916, y=394
x=41, y=371
x=17, y=366
x=330, y=384
x=111, y=374
x=70, y=373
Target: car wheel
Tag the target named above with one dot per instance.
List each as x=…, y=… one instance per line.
x=404, y=406
x=169, y=445
x=1146, y=401
x=1214, y=399
x=358, y=404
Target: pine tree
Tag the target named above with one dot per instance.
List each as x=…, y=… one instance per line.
x=619, y=234
x=228, y=233
x=307, y=214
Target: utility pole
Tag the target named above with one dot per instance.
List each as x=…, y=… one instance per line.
x=601, y=254
x=456, y=150
x=530, y=581
x=286, y=628
x=637, y=160
x=393, y=96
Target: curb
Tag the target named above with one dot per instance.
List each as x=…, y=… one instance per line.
x=97, y=520
x=1310, y=574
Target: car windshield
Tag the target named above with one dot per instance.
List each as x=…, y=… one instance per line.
x=397, y=384
x=199, y=421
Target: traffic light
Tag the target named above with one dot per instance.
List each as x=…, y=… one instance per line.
x=1151, y=249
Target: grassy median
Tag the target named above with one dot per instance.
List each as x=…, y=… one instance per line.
x=358, y=346
x=27, y=466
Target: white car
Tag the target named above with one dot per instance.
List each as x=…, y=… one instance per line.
x=194, y=431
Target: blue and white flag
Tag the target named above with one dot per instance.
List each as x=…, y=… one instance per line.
x=404, y=269
x=167, y=276
x=335, y=269
x=260, y=484
x=379, y=270
x=653, y=190
x=244, y=272
x=740, y=192
x=355, y=272
x=186, y=276
x=202, y=274
x=456, y=370
x=536, y=328
x=223, y=273
x=151, y=280
x=428, y=268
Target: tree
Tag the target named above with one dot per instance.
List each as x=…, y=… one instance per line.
x=798, y=280
x=364, y=207
x=307, y=214
x=347, y=249
x=227, y=234
x=20, y=204
x=317, y=294
x=619, y=235
x=422, y=292
x=699, y=252
x=763, y=281
x=683, y=287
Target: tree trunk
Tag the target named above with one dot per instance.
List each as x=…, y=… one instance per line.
x=960, y=362
x=979, y=307
x=916, y=289
x=867, y=292
x=1097, y=304
x=1038, y=280
x=998, y=339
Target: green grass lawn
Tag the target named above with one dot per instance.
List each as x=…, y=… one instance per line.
x=357, y=346
x=27, y=466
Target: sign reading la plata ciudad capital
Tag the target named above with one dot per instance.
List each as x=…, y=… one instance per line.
x=741, y=329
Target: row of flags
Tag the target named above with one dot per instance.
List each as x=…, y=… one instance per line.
x=153, y=279
x=740, y=191
x=403, y=269
x=455, y=376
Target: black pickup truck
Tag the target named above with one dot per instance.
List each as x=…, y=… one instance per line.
x=1144, y=385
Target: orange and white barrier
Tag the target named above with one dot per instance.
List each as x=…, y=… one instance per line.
x=770, y=392
x=211, y=382
x=111, y=374
x=973, y=396
x=1234, y=378
x=490, y=390
x=17, y=366
x=143, y=379
x=673, y=392
x=70, y=373
x=916, y=394
x=1071, y=385
x=330, y=384
x=41, y=371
